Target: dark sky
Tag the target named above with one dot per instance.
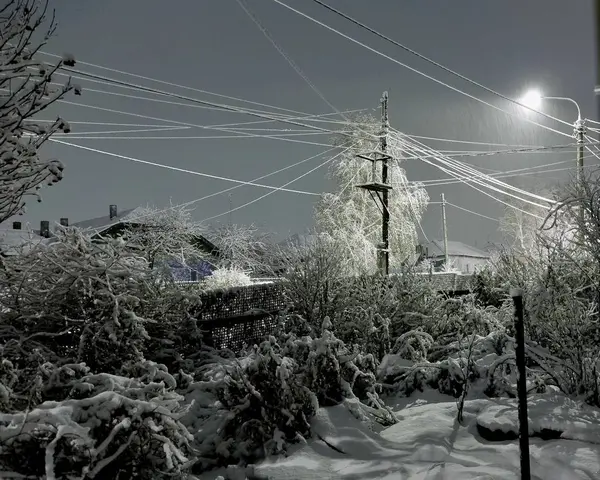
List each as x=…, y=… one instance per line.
x=212, y=45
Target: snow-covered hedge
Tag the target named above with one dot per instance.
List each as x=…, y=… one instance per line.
x=106, y=426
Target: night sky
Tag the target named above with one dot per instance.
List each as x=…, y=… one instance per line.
x=508, y=45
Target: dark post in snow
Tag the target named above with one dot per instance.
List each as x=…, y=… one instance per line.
x=517, y=296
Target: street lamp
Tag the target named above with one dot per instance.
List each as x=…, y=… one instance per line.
x=533, y=100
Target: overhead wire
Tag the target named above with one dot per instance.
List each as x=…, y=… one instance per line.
x=278, y=188
x=472, y=212
x=440, y=82
x=188, y=124
x=502, y=174
x=510, y=175
x=433, y=62
x=243, y=4
x=220, y=192
x=478, y=182
x=112, y=132
x=176, y=169
x=461, y=167
x=223, y=107
x=98, y=136
x=171, y=84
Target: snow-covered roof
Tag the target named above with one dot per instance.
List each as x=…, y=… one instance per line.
x=13, y=242
x=101, y=223
x=455, y=249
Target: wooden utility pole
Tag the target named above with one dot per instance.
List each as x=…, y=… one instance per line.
x=385, y=224
x=597, y=87
x=381, y=189
x=445, y=230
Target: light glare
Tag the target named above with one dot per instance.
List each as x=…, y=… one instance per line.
x=532, y=99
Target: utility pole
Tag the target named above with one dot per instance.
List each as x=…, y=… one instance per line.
x=580, y=138
x=379, y=190
x=385, y=224
x=597, y=87
x=445, y=230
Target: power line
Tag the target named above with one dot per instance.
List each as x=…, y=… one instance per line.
x=188, y=124
x=462, y=167
x=451, y=181
x=279, y=188
x=283, y=53
x=142, y=77
x=177, y=169
x=439, y=65
x=418, y=71
x=477, y=181
x=472, y=212
x=84, y=135
x=220, y=192
x=223, y=107
x=447, y=181
x=109, y=124
x=110, y=132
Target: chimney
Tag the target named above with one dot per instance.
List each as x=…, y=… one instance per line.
x=64, y=222
x=16, y=225
x=113, y=211
x=45, y=228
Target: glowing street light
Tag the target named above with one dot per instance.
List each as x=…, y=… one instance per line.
x=533, y=100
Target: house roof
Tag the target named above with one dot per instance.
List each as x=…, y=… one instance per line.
x=455, y=249
x=106, y=225
x=101, y=223
x=13, y=242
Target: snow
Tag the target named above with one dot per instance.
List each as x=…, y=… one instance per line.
x=428, y=443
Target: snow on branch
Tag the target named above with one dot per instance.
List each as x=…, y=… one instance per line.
x=26, y=88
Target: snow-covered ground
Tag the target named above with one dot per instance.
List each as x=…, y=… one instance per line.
x=428, y=443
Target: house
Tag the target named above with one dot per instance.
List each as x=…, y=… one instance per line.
x=116, y=223
x=462, y=257
x=16, y=240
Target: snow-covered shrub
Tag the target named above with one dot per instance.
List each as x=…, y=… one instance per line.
x=337, y=373
x=104, y=436
x=487, y=360
x=107, y=424
x=489, y=287
x=261, y=407
x=225, y=278
x=77, y=301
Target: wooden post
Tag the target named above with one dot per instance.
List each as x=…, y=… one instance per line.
x=517, y=296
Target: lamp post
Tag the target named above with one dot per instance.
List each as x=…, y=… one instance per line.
x=533, y=99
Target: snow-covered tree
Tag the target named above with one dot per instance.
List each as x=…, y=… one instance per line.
x=522, y=222
x=26, y=88
x=241, y=247
x=353, y=218
x=166, y=235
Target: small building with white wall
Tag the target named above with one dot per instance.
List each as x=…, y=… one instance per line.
x=462, y=257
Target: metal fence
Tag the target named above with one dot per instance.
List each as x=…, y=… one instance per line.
x=246, y=315
x=240, y=316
